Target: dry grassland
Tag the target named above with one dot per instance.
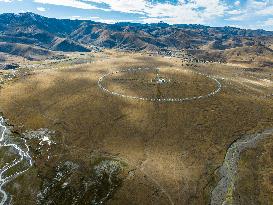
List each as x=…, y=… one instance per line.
x=173, y=150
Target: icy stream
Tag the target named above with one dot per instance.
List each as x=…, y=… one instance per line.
x=23, y=155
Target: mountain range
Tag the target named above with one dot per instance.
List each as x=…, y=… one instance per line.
x=31, y=33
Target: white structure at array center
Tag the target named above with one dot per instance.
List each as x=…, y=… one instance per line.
x=158, y=80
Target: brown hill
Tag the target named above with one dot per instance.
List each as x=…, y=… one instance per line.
x=79, y=35
x=258, y=54
x=26, y=51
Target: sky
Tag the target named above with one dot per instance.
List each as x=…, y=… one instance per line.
x=251, y=14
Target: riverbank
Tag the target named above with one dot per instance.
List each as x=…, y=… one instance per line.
x=23, y=156
x=224, y=191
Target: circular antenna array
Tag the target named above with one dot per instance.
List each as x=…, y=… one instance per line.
x=157, y=81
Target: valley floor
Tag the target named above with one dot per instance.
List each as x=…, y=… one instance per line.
x=114, y=150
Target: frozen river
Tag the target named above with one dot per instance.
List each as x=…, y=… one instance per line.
x=21, y=151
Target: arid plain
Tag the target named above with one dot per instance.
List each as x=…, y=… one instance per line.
x=170, y=152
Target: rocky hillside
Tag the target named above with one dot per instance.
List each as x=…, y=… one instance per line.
x=32, y=29
x=79, y=35
x=26, y=51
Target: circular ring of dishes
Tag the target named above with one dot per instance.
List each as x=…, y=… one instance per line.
x=157, y=80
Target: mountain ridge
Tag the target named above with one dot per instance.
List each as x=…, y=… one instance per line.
x=81, y=35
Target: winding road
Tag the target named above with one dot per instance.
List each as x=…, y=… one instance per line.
x=23, y=155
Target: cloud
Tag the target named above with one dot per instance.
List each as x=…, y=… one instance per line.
x=234, y=12
x=125, y=6
x=190, y=11
x=238, y=17
x=42, y=9
x=9, y=1
x=183, y=11
x=99, y=19
x=258, y=4
x=253, y=11
x=265, y=11
x=237, y=3
x=69, y=3
x=269, y=22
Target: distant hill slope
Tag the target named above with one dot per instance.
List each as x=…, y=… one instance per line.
x=32, y=29
x=145, y=36
x=26, y=51
x=258, y=54
x=78, y=35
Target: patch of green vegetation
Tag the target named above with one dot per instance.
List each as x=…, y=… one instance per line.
x=107, y=176
x=21, y=166
x=24, y=188
x=213, y=180
x=6, y=156
x=74, y=183
x=229, y=196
